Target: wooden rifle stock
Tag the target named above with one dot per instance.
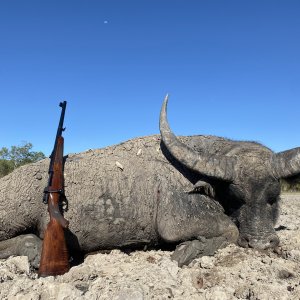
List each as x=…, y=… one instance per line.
x=55, y=257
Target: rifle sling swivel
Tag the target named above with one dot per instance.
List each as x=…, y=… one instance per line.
x=53, y=191
x=47, y=191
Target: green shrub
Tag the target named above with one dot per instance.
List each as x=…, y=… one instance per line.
x=17, y=156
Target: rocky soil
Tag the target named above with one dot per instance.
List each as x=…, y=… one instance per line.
x=233, y=273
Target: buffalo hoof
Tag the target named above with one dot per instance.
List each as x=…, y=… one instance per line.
x=24, y=245
x=189, y=250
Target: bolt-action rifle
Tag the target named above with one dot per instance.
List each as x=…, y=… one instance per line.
x=55, y=257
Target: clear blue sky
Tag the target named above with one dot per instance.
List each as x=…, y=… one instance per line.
x=232, y=68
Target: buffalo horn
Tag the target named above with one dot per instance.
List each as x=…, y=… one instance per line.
x=287, y=163
x=220, y=167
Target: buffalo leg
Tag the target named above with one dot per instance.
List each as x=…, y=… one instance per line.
x=23, y=245
x=196, y=222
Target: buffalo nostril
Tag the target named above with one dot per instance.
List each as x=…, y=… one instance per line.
x=247, y=241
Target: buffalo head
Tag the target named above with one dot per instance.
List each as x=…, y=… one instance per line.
x=250, y=174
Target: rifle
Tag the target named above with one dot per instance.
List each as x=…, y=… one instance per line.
x=55, y=257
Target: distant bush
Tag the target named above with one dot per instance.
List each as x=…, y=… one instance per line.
x=17, y=156
x=290, y=185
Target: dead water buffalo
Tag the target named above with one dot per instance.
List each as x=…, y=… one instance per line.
x=199, y=192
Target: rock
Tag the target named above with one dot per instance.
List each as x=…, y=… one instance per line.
x=197, y=280
x=62, y=291
x=294, y=255
x=284, y=274
x=119, y=165
x=28, y=296
x=207, y=262
x=218, y=293
x=18, y=264
x=130, y=294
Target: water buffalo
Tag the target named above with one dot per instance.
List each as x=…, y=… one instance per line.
x=197, y=192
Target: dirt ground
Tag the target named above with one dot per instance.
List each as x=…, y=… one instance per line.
x=232, y=273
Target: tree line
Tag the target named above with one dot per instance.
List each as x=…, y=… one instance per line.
x=17, y=156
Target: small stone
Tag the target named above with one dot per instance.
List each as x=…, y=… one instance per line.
x=278, y=250
x=130, y=294
x=207, y=262
x=284, y=274
x=290, y=288
x=217, y=293
x=119, y=165
x=82, y=287
x=18, y=264
x=39, y=176
x=264, y=260
x=151, y=259
x=294, y=255
x=139, y=152
x=197, y=280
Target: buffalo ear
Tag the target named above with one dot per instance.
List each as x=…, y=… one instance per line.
x=287, y=163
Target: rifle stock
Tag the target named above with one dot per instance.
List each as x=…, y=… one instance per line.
x=55, y=257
